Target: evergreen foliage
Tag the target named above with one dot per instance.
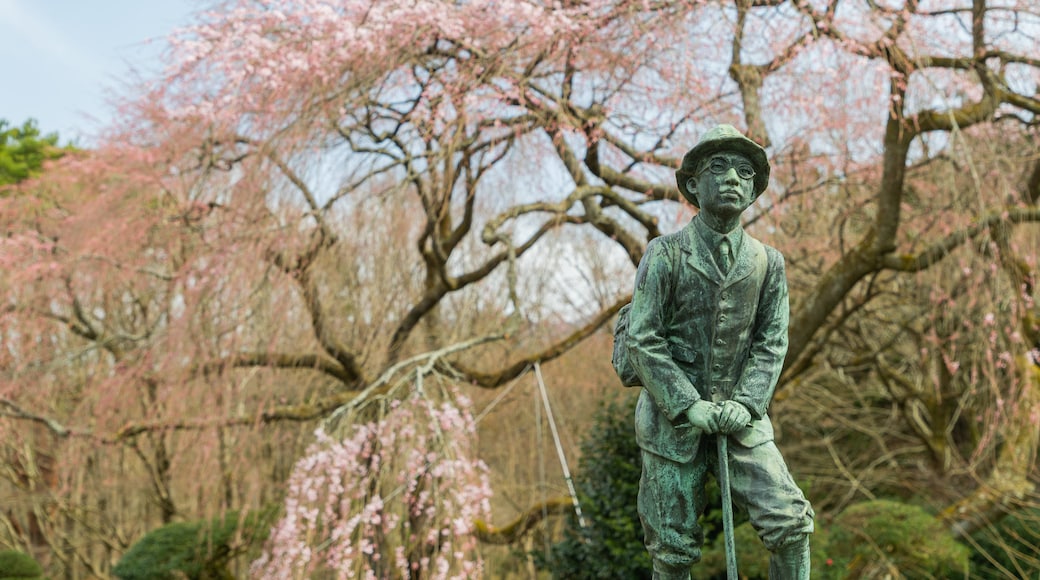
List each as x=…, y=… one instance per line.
x=607, y=482
x=197, y=550
x=1008, y=549
x=23, y=150
x=15, y=565
x=871, y=537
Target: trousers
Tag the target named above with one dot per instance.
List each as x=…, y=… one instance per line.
x=671, y=497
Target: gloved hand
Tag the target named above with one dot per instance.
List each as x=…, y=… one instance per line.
x=704, y=415
x=733, y=417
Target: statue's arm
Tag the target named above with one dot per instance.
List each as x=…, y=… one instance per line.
x=768, y=340
x=647, y=332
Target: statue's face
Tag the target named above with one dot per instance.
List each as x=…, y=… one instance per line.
x=725, y=184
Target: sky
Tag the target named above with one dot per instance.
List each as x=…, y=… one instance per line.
x=61, y=59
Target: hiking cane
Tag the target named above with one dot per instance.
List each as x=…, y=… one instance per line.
x=727, y=508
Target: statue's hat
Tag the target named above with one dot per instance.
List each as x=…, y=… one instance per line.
x=723, y=138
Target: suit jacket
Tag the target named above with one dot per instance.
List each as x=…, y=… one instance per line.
x=696, y=334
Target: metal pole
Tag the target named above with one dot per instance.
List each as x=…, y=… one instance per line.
x=727, y=508
x=559, y=446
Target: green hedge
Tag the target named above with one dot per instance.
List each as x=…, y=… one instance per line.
x=16, y=565
x=197, y=550
x=871, y=537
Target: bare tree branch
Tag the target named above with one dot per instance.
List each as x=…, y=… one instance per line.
x=516, y=529
x=931, y=256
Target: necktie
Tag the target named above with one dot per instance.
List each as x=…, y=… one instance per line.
x=724, y=256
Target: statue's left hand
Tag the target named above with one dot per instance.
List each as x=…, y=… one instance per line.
x=733, y=417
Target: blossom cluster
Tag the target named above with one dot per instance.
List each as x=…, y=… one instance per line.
x=396, y=497
x=256, y=57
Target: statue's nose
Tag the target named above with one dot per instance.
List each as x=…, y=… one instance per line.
x=731, y=177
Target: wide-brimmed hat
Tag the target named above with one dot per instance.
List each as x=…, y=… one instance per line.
x=723, y=138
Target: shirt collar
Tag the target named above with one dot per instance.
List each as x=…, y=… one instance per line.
x=713, y=238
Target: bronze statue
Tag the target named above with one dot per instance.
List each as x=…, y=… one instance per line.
x=707, y=336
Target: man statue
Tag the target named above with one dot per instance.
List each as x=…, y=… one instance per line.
x=707, y=337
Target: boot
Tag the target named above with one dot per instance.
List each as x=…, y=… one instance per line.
x=791, y=562
x=665, y=572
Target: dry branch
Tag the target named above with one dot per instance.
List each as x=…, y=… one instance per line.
x=515, y=530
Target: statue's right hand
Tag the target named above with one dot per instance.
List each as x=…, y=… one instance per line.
x=704, y=415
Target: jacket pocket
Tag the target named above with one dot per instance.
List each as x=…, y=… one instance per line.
x=682, y=352
x=760, y=431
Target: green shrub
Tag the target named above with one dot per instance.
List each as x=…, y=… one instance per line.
x=870, y=537
x=199, y=550
x=1011, y=548
x=15, y=565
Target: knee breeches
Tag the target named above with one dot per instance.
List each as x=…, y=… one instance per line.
x=671, y=497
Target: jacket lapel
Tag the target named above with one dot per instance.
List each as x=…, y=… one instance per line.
x=744, y=263
x=699, y=256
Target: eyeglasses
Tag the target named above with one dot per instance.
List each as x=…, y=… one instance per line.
x=720, y=166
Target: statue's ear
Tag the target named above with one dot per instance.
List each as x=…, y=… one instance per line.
x=691, y=185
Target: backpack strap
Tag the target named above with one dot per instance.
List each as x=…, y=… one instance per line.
x=759, y=249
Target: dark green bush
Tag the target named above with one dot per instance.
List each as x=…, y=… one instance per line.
x=1011, y=548
x=198, y=550
x=16, y=565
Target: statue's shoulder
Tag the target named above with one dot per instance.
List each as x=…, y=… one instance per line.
x=669, y=244
x=774, y=255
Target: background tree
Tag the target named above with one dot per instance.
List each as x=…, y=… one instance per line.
x=313, y=193
x=23, y=151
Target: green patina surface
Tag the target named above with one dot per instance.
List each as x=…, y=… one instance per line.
x=707, y=337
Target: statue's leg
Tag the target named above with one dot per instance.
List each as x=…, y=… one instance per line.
x=778, y=510
x=791, y=561
x=671, y=495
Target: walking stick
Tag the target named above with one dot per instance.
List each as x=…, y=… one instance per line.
x=727, y=508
